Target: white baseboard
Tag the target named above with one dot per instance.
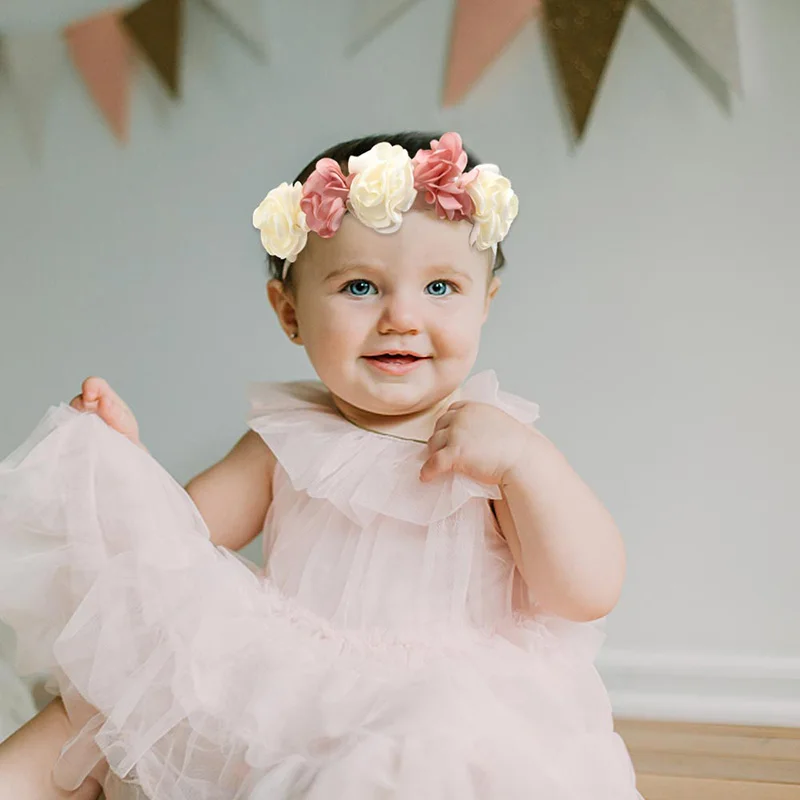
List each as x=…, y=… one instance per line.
x=716, y=688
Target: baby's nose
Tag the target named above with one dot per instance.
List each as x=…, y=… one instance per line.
x=400, y=314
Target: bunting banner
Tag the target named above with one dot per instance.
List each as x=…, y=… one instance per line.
x=33, y=63
x=103, y=37
x=156, y=27
x=481, y=31
x=582, y=34
x=709, y=28
x=103, y=55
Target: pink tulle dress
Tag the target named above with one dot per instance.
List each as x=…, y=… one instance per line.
x=388, y=650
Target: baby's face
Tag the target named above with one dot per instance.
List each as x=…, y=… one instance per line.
x=362, y=296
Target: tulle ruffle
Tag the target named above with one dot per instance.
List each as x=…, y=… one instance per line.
x=366, y=474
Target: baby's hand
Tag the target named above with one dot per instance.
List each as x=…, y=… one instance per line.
x=99, y=398
x=478, y=440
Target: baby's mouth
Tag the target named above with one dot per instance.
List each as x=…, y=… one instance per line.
x=396, y=358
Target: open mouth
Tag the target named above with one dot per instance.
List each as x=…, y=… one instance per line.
x=396, y=358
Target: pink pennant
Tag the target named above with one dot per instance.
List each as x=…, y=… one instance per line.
x=103, y=54
x=481, y=31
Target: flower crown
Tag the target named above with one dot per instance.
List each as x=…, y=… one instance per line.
x=380, y=186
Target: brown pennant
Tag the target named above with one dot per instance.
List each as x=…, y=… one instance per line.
x=582, y=34
x=157, y=26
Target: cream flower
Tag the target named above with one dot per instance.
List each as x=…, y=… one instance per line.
x=282, y=222
x=382, y=187
x=496, y=206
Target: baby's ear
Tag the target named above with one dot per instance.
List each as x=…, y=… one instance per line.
x=283, y=304
x=491, y=291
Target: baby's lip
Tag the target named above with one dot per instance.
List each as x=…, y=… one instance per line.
x=396, y=354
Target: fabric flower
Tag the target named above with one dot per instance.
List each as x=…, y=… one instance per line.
x=439, y=173
x=324, y=200
x=496, y=205
x=282, y=223
x=382, y=186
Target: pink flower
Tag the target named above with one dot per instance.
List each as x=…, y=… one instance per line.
x=324, y=199
x=439, y=173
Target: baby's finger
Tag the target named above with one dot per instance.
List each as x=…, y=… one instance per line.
x=440, y=463
x=105, y=405
x=94, y=388
x=112, y=411
x=438, y=440
x=444, y=421
x=77, y=403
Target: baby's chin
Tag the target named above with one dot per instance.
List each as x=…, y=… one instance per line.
x=391, y=400
x=396, y=398
x=370, y=389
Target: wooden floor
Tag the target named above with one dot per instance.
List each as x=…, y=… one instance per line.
x=680, y=761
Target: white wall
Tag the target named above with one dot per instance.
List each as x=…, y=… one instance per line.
x=649, y=305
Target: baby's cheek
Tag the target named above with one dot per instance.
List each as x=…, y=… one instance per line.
x=333, y=330
x=460, y=333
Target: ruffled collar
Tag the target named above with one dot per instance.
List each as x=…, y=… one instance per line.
x=362, y=472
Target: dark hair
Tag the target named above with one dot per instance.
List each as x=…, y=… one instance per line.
x=411, y=141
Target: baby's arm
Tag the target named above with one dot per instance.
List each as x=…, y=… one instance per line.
x=234, y=495
x=563, y=539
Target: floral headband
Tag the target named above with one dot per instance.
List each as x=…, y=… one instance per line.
x=381, y=185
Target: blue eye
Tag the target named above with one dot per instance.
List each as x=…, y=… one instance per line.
x=359, y=288
x=439, y=288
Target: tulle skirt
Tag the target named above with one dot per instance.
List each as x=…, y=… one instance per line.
x=194, y=678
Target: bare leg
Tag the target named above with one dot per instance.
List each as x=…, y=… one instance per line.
x=28, y=756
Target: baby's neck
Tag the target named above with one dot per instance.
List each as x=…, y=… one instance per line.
x=417, y=426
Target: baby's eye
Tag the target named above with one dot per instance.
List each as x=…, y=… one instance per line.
x=439, y=288
x=360, y=288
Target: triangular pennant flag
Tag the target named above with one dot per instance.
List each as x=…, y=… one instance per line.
x=157, y=27
x=582, y=34
x=370, y=17
x=102, y=53
x=481, y=31
x=34, y=64
x=246, y=19
x=709, y=28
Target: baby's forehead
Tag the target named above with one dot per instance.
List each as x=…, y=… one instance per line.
x=422, y=240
